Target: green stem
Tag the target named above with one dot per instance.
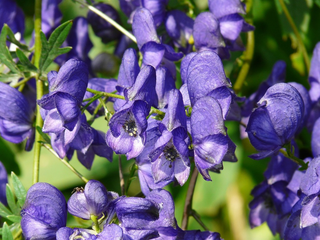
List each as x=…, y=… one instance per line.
x=110, y=20
x=248, y=55
x=296, y=32
x=299, y=161
x=95, y=222
x=39, y=84
x=25, y=80
x=65, y=162
x=131, y=176
x=122, y=186
x=112, y=95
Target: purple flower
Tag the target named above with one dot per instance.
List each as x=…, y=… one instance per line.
x=16, y=116
x=210, y=140
x=66, y=91
x=65, y=233
x=127, y=129
x=101, y=27
x=51, y=16
x=276, y=120
x=12, y=15
x=221, y=8
x=179, y=27
x=129, y=68
x=44, y=212
x=3, y=183
x=152, y=49
x=92, y=200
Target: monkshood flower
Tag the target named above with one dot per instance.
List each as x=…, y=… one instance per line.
x=170, y=157
x=44, y=212
x=152, y=49
x=277, y=75
x=109, y=232
x=205, y=77
x=127, y=129
x=3, y=183
x=51, y=16
x=13, y=16
x=274, y=123
x=156, y=8
x=315, y=141
x=93, y=200
x=102, y=85
x=16, y=116
x=129, y=68
x=103, y=29
x=271, y=204
x=66, y=91
x=210, y=140
x=197, y=234
x=314, y=80
x=146, y=216
x=147, y=182
x=164, y=84
x=179, y=27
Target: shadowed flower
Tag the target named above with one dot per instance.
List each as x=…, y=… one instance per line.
x=44, y=212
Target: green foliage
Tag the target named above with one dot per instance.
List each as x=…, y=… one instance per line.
x=6, y=233
x=19, y=189
x=51, y=49
x=5, y=56
x=24, y=64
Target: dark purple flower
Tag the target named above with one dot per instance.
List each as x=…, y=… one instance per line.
x=66, y=91
x=221, y=8
x=129, y=68
x=51, y=16
x=127, y=129
x=44, y=212
x=210, y=140
x=152, y=49
x=179, y=27
x=3, y=183
x=128, y=6
x=164, y=84
x=276, y=120
x=157, y=9
x=92, y=200
x=106, y=31
x=66, y=233
x=16, y=116
x=150, y=213
x=12, y=15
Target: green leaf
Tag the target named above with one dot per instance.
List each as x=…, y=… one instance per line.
x=14, y=218
x=25, y=65
x=9, y=77
x=51, y=49
x=19, y=189
x=11, y=38
x=317, y=2
x=5, y=56
x=4, y=211
x=43, y=135
x=6, y=233
x=12, y=201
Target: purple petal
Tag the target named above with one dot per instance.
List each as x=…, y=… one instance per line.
x=157, y=9
x=129, y=68
x=206, y=31
x=97, y=197
x=143, y=27
x=184, y=66
x=205, y=73
x=164, y=83
x=222, y=8
x=51, y=16
x=52, y=122
x=152, y=53
x=231, y=26
x=78, y=206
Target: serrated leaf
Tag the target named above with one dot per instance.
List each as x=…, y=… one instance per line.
x=25, y=65
x=11, y=38
x=14, y=218
x=43, y=135
x=12, y=201
x=51, y=49
x=19, y=189
x=5, y=56
x=4, y=211
x=6, y=233
x=9, y=77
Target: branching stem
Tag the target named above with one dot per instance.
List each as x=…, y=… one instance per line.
x=112, y=95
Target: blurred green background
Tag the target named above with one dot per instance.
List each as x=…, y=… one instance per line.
x=222, y=203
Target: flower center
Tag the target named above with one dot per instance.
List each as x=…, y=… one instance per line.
x=170, y=153
x=130, y=127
